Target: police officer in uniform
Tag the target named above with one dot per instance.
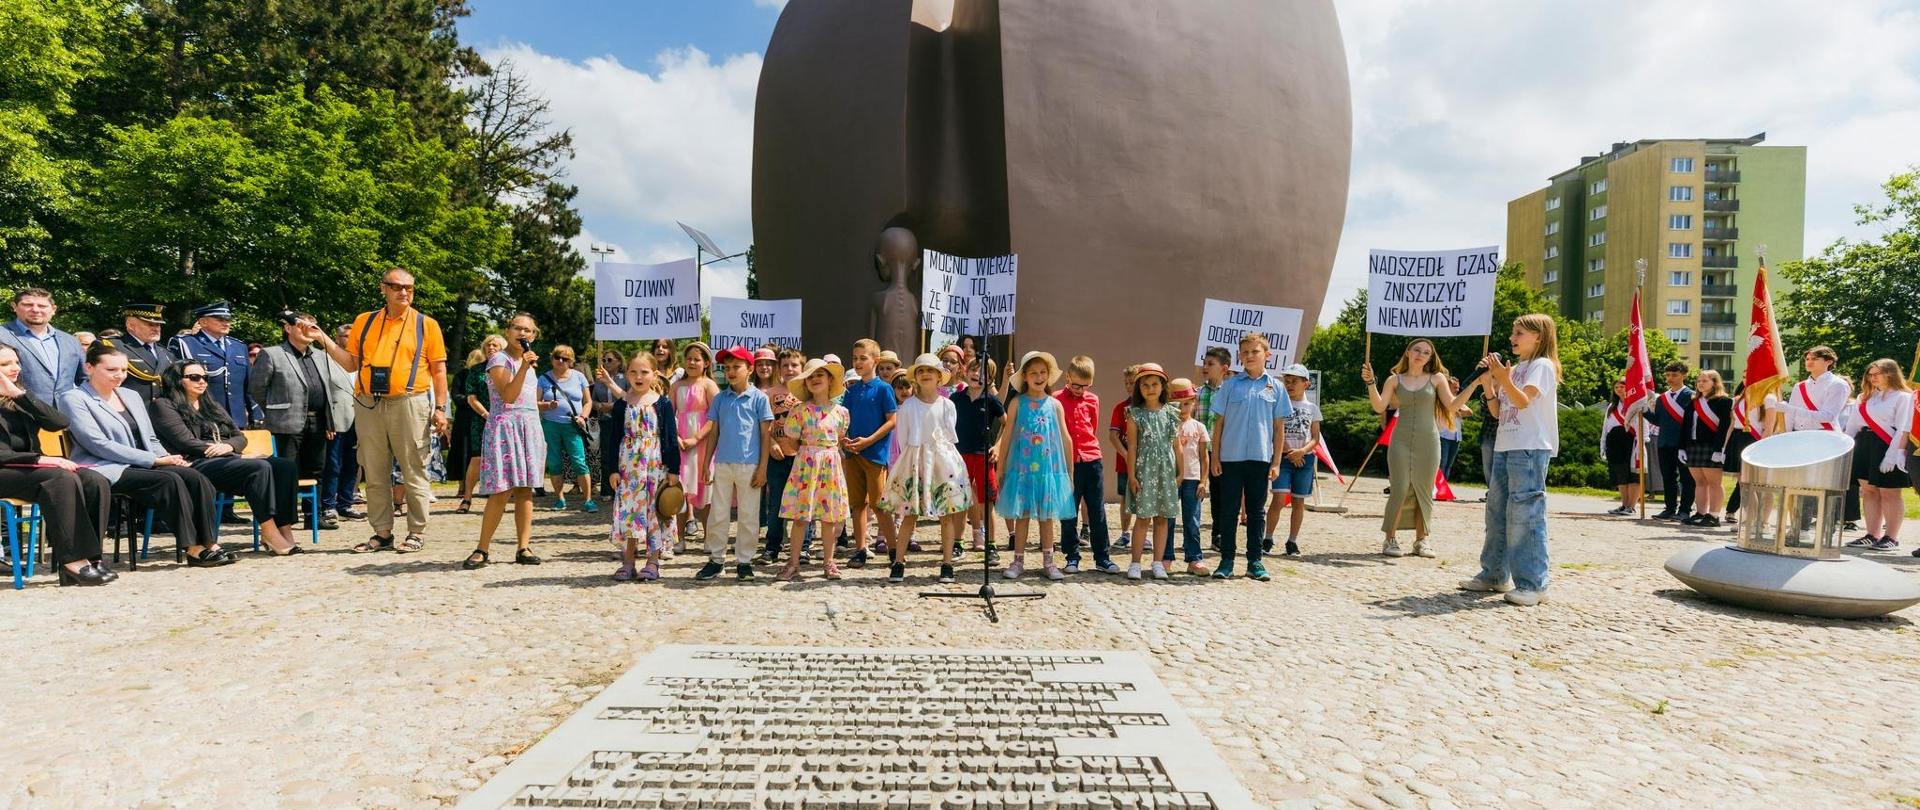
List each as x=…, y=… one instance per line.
x=147, y=355
x=225, y=358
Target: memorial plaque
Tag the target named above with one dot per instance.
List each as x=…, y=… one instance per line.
x=798, y=728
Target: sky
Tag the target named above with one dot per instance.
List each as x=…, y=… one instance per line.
x=1458, y=107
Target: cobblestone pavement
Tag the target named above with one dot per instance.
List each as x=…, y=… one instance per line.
x=340, y=680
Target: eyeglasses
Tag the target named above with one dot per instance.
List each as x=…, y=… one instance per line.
x=406, y=288
x=194, y=377
x=561, y=357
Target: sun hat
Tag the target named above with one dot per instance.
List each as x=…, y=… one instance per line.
x=886, y=356
x=669, y=500
x=1296, y=370
x=929, y=361
x=1150, y=369
x=1182, y=389
x=837, y=382
x=733, y=353
x=958, y=353
x=764, y=353
x=1053, y=369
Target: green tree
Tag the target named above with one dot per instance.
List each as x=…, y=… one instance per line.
x=753, y=275
x=47, y=47
x=542, y=273
x=1590, y=365
x=1879, y=277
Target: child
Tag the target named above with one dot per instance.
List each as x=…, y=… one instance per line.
x=927, y=478
x=1523, y=397
x=1880, y=419
x=817, y=490
x=779, y=464
x=902, y=384
x=740, y=422
x=1194, y=456
x=1080, y=408
x=870, y=407
x=1706, y=425
x=1251, y=407
x=1117, y=431
x=647, y=458
x=1154, y=490
x=1297, y=463
x=1032, y=461
x=977, y=409
x=1214, y=369
x=1668, y=418
x=691, y=394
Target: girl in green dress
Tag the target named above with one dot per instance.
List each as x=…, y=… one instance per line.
x=1418, y=390
x=1154, y=486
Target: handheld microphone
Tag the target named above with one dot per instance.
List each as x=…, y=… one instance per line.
x=526, y=345
x=1475, y=375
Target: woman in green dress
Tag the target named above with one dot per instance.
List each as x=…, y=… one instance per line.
x=1418, y=390
x=473, y=396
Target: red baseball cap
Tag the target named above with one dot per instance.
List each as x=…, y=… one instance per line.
x=735, y=353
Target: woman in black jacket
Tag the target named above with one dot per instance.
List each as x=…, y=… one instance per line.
x=1704, y=449
x=73, y=500
x=191, y=424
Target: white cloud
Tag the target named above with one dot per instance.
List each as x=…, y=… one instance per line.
x=1460, y=107
x=771, y=3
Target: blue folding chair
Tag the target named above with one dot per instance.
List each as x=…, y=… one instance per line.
x=20, y=514
x=309, y=487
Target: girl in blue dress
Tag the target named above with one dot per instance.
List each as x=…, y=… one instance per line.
x=1033, y=466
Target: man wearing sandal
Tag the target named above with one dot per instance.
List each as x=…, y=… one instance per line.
x=397, y=356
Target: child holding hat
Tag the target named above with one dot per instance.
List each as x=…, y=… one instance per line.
x=928, y=477
x=646, y=460
x=817, y=487
x=1032, y=462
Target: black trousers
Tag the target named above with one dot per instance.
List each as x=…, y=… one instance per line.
x=181, y=496
x=73, y=507
x=1214, y=511
x=1242, y=482
x=1676, y=481
x=308, y=448
x=269, y=484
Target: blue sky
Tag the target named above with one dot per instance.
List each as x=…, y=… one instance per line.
x=659, y=96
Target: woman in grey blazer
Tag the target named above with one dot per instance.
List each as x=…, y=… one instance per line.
x=113, y=434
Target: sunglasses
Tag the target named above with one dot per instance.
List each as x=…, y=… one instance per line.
x=194, y=377
x=397, y=287
x=562, y=358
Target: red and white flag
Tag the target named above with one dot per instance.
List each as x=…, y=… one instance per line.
x=1639, y=376
x=1320, y=452
x=1766, y=363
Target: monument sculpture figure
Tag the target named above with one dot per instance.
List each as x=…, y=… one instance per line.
x=894, y=317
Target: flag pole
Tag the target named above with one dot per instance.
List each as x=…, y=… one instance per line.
x=1640, y=439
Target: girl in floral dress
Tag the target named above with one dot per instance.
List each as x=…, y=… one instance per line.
x=817, y=487
x=928, y=477
x=691, y=394
x=1154, y=485
x=644, y=461
x=1033, y=463
x=513, y=449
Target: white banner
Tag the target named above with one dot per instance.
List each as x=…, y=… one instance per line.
x=750, y=324
x=1223, y=322
x=646, y=301
x=1432, y=293
x=960, y=296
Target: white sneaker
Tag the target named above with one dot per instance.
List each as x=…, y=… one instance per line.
x=1133, y=572
x=1526, y=598
x=1159, y=570
x=1482, y=586
x=1391, y=548
x=1053, y=573
x=1015, y=569
x=1422, y=548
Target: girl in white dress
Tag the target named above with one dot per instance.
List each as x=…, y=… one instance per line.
x=928, y=477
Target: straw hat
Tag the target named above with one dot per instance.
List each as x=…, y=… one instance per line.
x=1053, y=368
x=836, y=375
x=765, y=354
x=929, y=361
x=1150, y=370
x=669, y=500
x=886, y=356
x=1182, y=389
x=958, y=353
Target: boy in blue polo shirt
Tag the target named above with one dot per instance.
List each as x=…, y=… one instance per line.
x=1248, y=447
x=741, y=417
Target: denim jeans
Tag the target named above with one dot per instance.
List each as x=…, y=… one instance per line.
x=1243, y=483
x=778, y=469
x=1516, y=544
x=1449, y=450
x=1189, y=522
x=1089, y=487
x=341, y=473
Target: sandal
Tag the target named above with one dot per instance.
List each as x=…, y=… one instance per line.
x=465, y=507
x=624, y=574
x=411, y=544
x=788, y=573
x=478, y=559
x=833, y=571
x=525, y=556
x=374, y=543
x=651, y=572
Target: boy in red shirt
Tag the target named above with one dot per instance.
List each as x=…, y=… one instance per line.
x=1082, y=408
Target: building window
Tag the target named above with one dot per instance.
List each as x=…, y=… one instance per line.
x=1679, y=335
x=1680, y=193
x=1681, y=165
x=1679, y=250
x=1553, y=227
x=1599, y=186
x=1595, y=316
x=1680, y=222
x=1550, y=277
x=1680, y=278
x=1716, y=333
x=1553, y=251
x=1597, y=290
x=1679, y=306
x=1553, y=204
x=1596, y=265
x=1598, y=212
x=1597, y=239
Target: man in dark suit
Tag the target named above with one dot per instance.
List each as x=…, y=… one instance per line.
x=50, y=359
x=147, y=355
x=294, y=384
x=225, y=358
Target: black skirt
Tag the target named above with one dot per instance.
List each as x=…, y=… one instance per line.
x=1619, y=450
x=1868, y=452
x=1700, y=454
x=1736, y=442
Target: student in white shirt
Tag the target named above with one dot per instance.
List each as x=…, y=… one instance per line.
x=1513, y=560
x=1879, y=420
x=1816, y=403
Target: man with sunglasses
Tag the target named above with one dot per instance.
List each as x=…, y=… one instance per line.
x=295, y=387
x=399, y=362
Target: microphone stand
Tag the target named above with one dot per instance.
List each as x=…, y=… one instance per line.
x=988, y=557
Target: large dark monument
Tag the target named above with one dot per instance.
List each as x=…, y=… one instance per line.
x=1139, y=155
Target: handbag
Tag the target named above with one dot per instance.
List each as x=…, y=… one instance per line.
x=585, y=434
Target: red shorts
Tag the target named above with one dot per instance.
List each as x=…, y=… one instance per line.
x=980, y=473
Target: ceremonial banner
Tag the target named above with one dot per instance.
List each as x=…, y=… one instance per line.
x=1223, y=322
x=1766, y=362
x=750, y=323
x=961, y=296
x=646, y=301
x=1639, y=375
x=1434, y=293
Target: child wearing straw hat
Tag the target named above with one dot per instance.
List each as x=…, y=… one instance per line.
x=1033, y=463
x=1153, y=435
x=928, y=478
x=817, y=487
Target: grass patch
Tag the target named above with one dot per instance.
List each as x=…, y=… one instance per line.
x=1579, y=566
x=1595, y=492
x=1904, y=799
x=1656, y=709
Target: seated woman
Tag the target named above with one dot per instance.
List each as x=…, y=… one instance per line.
x=73, y=500
x=113, y=435
x=191, y=424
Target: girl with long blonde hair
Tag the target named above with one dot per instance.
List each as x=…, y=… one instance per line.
x=1524, y=398
x=1418, y=389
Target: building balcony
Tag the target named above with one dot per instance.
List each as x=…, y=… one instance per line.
x=1720, y=234
x=1720, y=262
x=1716, y=347
x=1723, y=206
x=1719, y=291
x=1722, y=176
x=1719, y=318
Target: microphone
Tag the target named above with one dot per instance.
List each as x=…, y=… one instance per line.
x=1475, y=375
x=526, y=345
